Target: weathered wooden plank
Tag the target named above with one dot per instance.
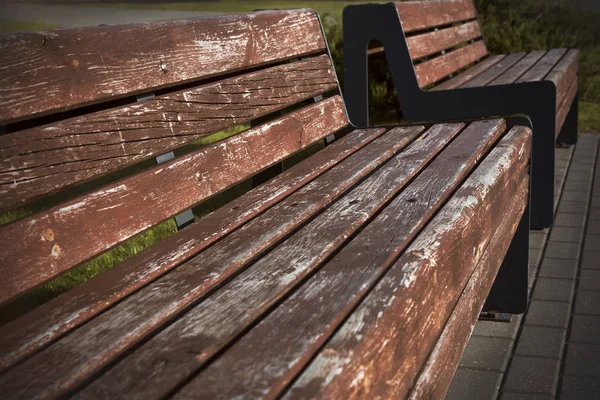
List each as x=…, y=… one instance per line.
x=239, y=302
x=417, y=15
x=24, y=336
x=432, y=42
x=381, y=347
x=543, y=66
x=285, y=341
x=436, y=377
x=519, y=68
x=82, y=66
x=51, y=242
x=470, y=73
x=563, y=74
x=495, y=71
x=44, y=159
x=564, y=108
x=437, y=68
x=95, y=344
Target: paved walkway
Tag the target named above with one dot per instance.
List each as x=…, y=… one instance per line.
x=553, y=351
x=70, y=16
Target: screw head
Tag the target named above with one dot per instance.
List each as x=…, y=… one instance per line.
x=179, y=118
x=164, y=67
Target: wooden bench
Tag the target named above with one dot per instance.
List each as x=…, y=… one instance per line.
x=359, y=271
x=442, y=71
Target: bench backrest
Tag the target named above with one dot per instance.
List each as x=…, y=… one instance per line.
x=443, y=36
x=79, y=104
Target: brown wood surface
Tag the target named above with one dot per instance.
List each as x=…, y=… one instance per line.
x=436, y=376
x=417, y=15
x=51, y=242
x=381, y=347
x=50, y=372
x=285, y=341
x=82, y=66
x=433, y=42
x=24, y=336
x=563, y=75
x=519, y=68
x=565, y=106
x=44, y=159
x=437, y=68
x=543, y=66
x=492, y=73
x=470, y=73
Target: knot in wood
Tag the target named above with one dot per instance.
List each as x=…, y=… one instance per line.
x=48, y=235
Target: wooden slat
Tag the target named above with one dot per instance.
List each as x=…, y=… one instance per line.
x=24, y=336
x=435, y=69
x=417, y=15
x=432, y=42
x=104, y=338
x=518, y=69
x=565, y=106
x=284, y=342
x=54, y=241
x=248, y=295
x=495, y=71
x=543, y=66
x=470, y=73
x=563, y=74
x=51, y=71
x=44, y=159
x=381, y=347
x=436, y=377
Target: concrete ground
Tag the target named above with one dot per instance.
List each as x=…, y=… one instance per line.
x=71, y=16
x=553, y=350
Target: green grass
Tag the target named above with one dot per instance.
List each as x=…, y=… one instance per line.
x=589, y=117
x=23, y=26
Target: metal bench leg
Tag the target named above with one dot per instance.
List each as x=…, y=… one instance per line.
x=568, y=132
x=509, y=293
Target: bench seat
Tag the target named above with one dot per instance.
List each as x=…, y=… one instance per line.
x=306, y=272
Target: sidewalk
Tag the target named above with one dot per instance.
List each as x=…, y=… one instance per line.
x=553, y=351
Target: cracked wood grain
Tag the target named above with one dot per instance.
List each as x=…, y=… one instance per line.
x=417, y=15
x=563, y=74
x=66, y=363
x=470, y=73
x=435, y=379
x=82, y=66
x=141, y=201
x=286, y=340
x=565, y=106
x=380, y=348
x=429, y=43
x=42, y=160
x=543, y=66
x=211, y=324
x=24, y=336
x=517, y=70
x=495, y=71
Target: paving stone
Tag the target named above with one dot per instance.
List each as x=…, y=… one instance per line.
x=580, y=176
x=579, y=388
x=579, y=168
x=531, y=276
x=592, y=242
x=565, y=233
x=595, y=198
x=532, y=374
x=575, y=196
x=556, y=268
x=554, y=289
x=577, y=186
x=524, y=396
x=589, y=279
x=569, y=219
x=471, y=384
x=540, y=341
x=583, y=360
x=566, y=206
x=563, y=250
x=548, y=313
x=537, y=239
x=593, y=227
x=585, y=329
x=590, y=260
x=594, y=213
x=488, y=353
x=534, y=256
x=587, y=302
x=498, y=329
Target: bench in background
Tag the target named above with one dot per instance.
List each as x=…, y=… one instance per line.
x=429, y=44
x=359, y=271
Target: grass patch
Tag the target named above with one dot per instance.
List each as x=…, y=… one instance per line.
x=23, y=26
x=589, y=117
